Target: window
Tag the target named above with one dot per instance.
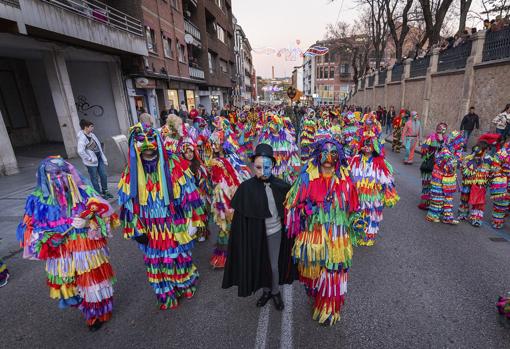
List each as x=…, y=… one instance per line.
x=181, y=51
x=220, y=32
x=326, y=72
x=173, y=97
x=167, y=46
x=223, y=66
x=344, y=68
x=151, y=40
x=317, y=74
x=332, y=72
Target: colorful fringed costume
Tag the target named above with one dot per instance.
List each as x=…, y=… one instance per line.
x=66, y=224
x=307, y=136
x=320, y=214
x=189, y=151
x=373, y=177
x=4, y=273
x=398, y=126
x=245, y=136
x=478, y=170
x=503, y=306
x=227, y=171
x=444, y=180
x=432, y=145
x=160, y=208
x=351, y=127
x=284, y=148
x=500, y=187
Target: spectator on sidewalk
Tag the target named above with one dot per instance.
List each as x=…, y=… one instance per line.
x=411, y=137
x=468, y=124
x=92, y=155
x=162, y=117
x=502, y=120
x=390, y=114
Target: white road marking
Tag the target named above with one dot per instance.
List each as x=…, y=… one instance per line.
x=286, y=339
x=261, y=339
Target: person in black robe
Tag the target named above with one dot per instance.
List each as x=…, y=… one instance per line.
x=259, y=251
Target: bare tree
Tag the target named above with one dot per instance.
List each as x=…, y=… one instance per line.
x=352, y=45
x=398, y=30
x=378, y=26
x=496, y=7
x=434, y=13
x=464, y=9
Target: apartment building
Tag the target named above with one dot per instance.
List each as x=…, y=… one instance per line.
x=60, y=61
x=244, y=86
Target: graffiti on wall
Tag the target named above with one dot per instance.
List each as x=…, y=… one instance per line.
x=84, y=108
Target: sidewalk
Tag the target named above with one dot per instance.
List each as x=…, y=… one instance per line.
x=14, y=191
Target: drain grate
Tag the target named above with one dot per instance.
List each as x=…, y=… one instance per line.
x=498, y=239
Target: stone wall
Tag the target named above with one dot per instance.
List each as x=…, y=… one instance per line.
x=491, y=92
x=378, y=96
x=415, y=92
x=445, y=100
x=447, y=95
x=394, y=95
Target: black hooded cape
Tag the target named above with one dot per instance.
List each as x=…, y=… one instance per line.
x=248, y=265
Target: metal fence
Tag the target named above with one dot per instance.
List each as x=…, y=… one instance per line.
x=382, y=77
x=454, y=57
x=371, y=79
x=419, y=67
x=497, y=45
x=396, y=72
x=102, y=13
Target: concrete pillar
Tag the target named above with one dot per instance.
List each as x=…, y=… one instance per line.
x=406, y=75
x=63, y=99
x=469, y=73
x=8, y=163
x=432, y=69
x=388, y=80
x=119, y=97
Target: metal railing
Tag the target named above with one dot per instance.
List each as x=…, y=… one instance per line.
x=497, y=45
x=192, y=29
x=102, y=13
x=455, y=57
x=196, y=73
x=371, y=79
x=397, y=72
x=382, y=77
x=419, y=67
x=13, y=3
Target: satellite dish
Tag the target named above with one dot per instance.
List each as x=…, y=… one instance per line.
x=188, y=38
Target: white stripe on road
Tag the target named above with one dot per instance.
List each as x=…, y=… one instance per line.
x=286, y=330
x=261, y=340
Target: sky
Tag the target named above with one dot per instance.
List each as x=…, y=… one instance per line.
x=279, y=24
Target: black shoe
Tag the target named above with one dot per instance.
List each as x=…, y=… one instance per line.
x=278, y=301
x=266, y=296
x=95, y=326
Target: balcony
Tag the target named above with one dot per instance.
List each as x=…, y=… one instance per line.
x=193, y=30
x=84, y=20
x=196, y=73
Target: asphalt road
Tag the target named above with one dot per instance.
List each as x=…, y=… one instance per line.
x=422, y=285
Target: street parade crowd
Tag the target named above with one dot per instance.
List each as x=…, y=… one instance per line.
x=291, y=198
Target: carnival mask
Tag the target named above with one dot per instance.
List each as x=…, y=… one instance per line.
x=329, y=155
x=368, y=146
x=146, y=144
x=441, y=129
x=263, y=167
x=188, y=152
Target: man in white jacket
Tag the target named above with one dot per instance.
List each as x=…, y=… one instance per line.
x=92, y=155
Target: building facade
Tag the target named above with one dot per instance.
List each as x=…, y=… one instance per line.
x=244, y=86
x=61, y=62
